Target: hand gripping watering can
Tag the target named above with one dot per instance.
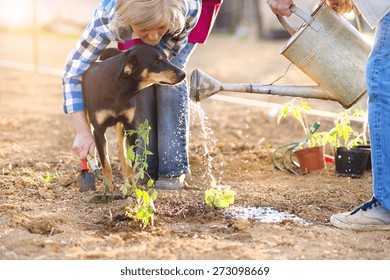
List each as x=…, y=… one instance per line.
x=326, y=48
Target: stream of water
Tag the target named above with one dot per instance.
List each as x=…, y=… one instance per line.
x=261, y=214
x=206, y=134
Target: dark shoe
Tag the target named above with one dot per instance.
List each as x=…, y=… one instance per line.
x=369, y=216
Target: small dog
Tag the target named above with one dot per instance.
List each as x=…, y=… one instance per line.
x=108, y=87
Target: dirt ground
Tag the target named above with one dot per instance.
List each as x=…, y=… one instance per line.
x=53, y=220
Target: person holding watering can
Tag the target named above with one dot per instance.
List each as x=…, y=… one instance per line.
x=375, y=213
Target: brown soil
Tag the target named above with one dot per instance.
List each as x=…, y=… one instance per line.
x=52, y=220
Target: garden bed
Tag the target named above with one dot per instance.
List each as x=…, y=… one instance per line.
x=52, y=220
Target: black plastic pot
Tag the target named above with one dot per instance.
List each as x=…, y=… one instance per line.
x=367, y=147
x=351, y=162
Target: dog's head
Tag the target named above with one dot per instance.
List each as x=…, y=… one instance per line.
x=148, y=66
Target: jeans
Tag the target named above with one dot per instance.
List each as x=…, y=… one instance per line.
x=378, y=88
x=167, y=110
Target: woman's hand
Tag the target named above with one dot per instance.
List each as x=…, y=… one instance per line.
x=341, y=6
x=280, y=7
x=83, y=143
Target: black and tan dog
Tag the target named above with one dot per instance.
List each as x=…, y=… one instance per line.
x=109, y=86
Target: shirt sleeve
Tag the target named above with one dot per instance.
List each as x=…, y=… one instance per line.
x=175, y=44
x=91, y=44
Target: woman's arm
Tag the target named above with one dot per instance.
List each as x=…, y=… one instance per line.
x=91, y=44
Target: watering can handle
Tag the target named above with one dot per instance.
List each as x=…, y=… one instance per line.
x=303, y=15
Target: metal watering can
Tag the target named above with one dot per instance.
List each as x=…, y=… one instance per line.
x=327, y=48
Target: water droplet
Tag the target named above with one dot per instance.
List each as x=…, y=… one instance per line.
x=262, y=214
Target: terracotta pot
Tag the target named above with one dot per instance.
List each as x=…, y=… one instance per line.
x=311, y=159
x=351, y=162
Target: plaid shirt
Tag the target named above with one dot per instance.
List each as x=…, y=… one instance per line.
x=95, y=38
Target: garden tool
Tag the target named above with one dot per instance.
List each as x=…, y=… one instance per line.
x=289, y=149
x=327, y=48
x=86, y=178
x=98, y=173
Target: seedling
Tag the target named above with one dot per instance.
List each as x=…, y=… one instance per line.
x=49, y=177
x=219, y=196
x=342, y=134
x=313, y=137
x=298, y=111
x=144, y=208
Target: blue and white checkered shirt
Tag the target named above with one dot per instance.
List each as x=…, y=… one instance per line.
x=95, y=38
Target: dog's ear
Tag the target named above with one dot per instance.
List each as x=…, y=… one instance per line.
x=128, y=66
x=108, y=53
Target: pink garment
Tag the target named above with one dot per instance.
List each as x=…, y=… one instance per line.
x=122, y=46
x=201, y=31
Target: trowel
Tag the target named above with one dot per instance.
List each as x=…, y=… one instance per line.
x=86, y=178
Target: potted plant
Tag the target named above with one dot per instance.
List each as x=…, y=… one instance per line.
x=351, y=147
x=310, y=151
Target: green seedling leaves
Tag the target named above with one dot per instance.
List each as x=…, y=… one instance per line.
x=219, y=196
x=137, y=154
x=342, y=134
x=49, y=177
x=138, y=193
x=150, y=183
x=299, y=111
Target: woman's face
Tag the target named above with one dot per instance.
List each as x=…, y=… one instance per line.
x=150, y=36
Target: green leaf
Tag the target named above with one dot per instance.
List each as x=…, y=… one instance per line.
x=130, y=132
x=130, y=154
x=47, y=178
x=141, y=213
x=138, y=193
x=136, y=163
x=150, y=211
x=145, y=197
x=150, y=183
x=306, y=107
x=153, y=195
x=229, y=197
x=220, y=203
x=210, y=196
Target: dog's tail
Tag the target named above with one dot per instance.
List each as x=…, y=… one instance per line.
x=109, y=52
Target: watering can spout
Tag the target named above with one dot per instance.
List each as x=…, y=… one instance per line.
x=318, y=49
x=203, y=86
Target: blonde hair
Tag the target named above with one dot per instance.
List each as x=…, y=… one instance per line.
x=149, y=14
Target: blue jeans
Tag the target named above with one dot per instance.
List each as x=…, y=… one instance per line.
x=378, y=88
x=166, y=108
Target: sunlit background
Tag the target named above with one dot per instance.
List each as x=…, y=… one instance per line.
x=15, y=13
x=21, y=13
x=236, y=16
